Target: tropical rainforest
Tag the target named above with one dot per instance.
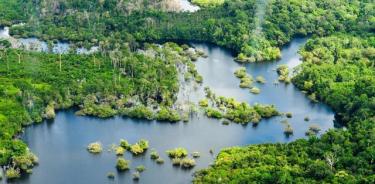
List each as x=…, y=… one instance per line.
x=131, y=77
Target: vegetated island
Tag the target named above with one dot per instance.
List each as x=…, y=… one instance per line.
x=238, y=112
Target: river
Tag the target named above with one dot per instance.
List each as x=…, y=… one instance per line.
x=61, y=143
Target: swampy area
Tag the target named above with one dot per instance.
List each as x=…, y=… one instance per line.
x=256, y=91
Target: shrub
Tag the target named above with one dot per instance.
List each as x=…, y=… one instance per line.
x=176, y=162
x=225, y=122
x=307, y=118
x=160, y=161
x=200, y=52
x=199, y=79
x=203, y=103
x=288, y=130
x=95, y=147
x=213, y=113
x=312, y=97
x=266, y=111
x=246, y=82
x=177, y=153
x=287, y=80
x=314, y=128
x=187, y=163
x=140, y=168
x=25, y=162
x=50, y=111
x=143, y=144
x=12, y=173
x=111, y=175
x=260, y=79
x=136, y=175
x=307, y=85
x=240, y=72
x=119, y=151
x=283, y=72
x=122, y=164
x=185, y=117
x=139, y=111
x=136, y=149
x=166, y=114
x=255, y=90
x=289, y=115
x=154, y=155
x=196, y=154
x=309, y=133
x=125, y=144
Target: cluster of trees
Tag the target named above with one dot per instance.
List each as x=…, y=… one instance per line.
x=340, y=70
x=10, y=12
x=238, y=112
x=33, y=85
x=230, y=23
x=287, y=19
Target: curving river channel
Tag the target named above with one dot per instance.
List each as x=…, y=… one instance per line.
x=61, y=144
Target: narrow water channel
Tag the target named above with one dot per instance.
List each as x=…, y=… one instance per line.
x=61, y=144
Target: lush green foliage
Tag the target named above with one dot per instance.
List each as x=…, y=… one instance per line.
x=140, y=147
x=213, y=113
x=119, y=150
x=255, y=90
x=122, y=164
x=238, y=112
x=136, y=175
x=95, y=147
x=177, y=153
x=168, y=114
x=230, y=24
x=160, y=161
x=139, y=111
x=283, y=72
x=12, y=173
x=140, y=168
x=187, y=163
x=227, y=24
x=154, y=155
x=207, y=3
x=286, y=19
x=102, y=85
x=10, y=11
x=340, y=71
x=125, y=144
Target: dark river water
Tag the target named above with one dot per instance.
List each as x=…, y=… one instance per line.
x=61, y=144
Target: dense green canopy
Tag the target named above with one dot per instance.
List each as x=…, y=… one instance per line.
x=338, y=70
